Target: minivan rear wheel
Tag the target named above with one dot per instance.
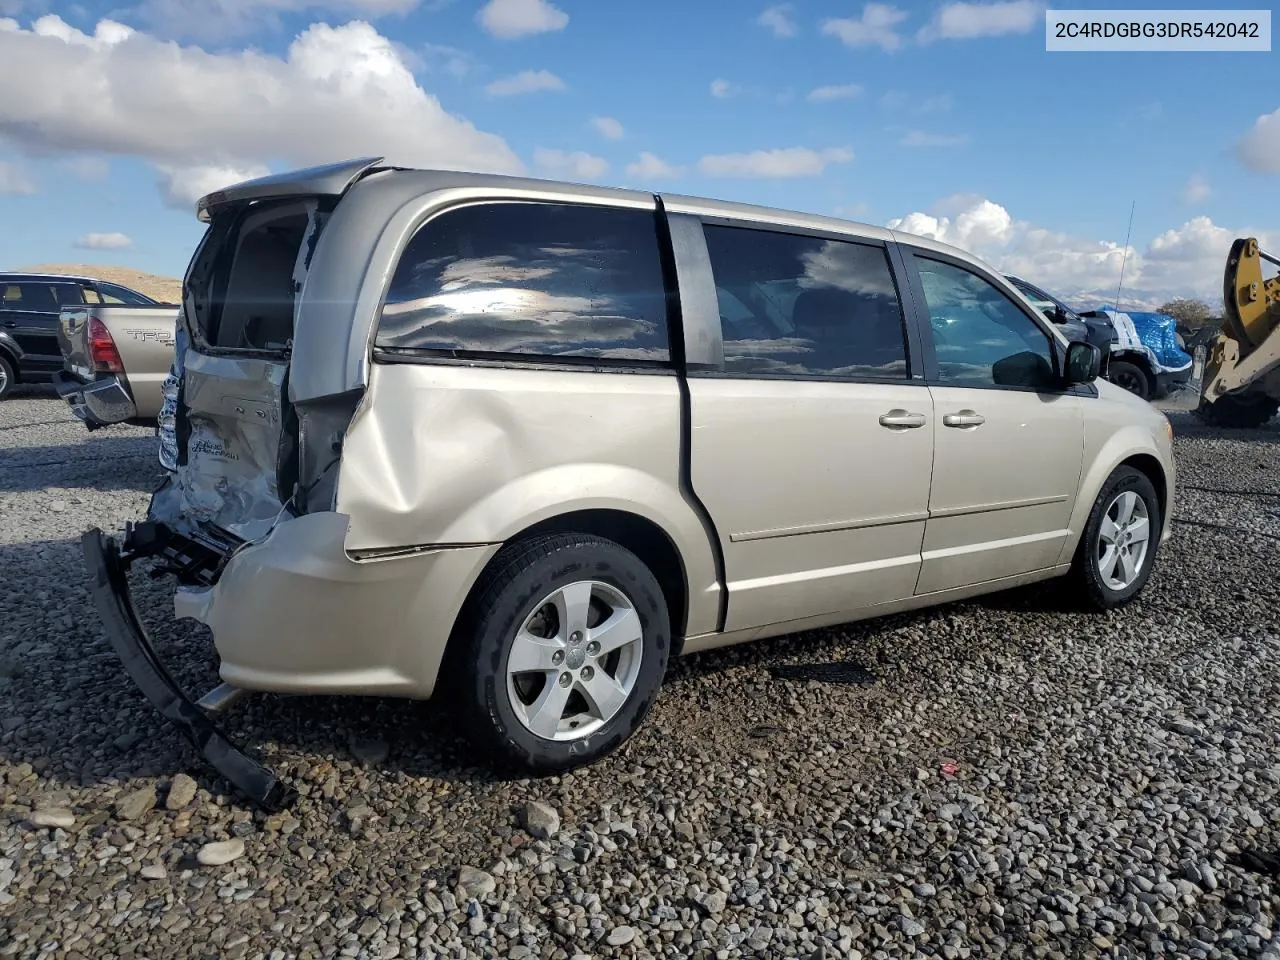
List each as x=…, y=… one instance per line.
x=1118, y=547
x=566, y=645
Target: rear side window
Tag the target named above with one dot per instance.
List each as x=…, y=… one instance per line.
x=111, y=293
x=33, y=297
x=68, y=294
x=531, y=279
x=793, y=305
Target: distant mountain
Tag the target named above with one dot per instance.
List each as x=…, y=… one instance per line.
x=1141, y=301
x=164, y=289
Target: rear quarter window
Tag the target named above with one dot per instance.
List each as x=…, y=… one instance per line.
x=531, y=279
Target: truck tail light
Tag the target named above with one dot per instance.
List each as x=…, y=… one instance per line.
x=102, y=349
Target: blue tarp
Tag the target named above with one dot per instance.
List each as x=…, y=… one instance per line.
x=1155, y=334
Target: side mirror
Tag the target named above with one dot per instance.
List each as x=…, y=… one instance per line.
x=1083, y=363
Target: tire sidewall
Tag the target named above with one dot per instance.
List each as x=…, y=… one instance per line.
x=10, y=378
x=599, y=560
x=1128, y=367
x=1123, y=479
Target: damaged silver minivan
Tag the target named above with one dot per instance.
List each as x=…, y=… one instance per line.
x=520, y=442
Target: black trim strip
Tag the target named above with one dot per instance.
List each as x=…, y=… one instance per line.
x=520, y=361
x=675, y=321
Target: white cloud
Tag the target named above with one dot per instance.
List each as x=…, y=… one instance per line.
x=1190, y=259
x=1182, y=261
x=337, y=91
x=1259, y=149
x=966, y=21
x=846, y=91
x=782, y=163
x=104, y=241
x=722, y=89
x=778, y=19
x=650, y=167
x=207, y=20
x=15, y=180
x=876, y=27
x=509, y=19
x=526, y=81
x=920, y=138
x=608, y=127
x=1196, y=190
x=438, y=57
x=183, y=186
x=570, y=166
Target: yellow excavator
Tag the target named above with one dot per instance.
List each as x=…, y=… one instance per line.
x=1241, y=386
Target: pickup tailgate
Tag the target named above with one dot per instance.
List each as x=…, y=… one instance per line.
x=131, y=343
x=73, y=341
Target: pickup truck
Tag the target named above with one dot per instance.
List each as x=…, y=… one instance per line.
x=30, y=304
x=115, y=360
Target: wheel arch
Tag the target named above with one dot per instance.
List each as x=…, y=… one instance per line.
x=1153, y=470
x=11, y=352
x=1127, y=447
x=654, y=546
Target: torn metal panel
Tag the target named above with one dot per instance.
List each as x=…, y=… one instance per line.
x=224, y=471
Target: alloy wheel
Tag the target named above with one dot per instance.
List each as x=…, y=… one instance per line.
x=574, y=661
x=1124, y=540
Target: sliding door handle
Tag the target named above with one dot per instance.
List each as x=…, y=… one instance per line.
x=965, y=418
x=898, y=419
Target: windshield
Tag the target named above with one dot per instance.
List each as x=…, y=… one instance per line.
x=1044, y=301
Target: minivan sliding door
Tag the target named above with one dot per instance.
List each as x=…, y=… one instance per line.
x=811, y=445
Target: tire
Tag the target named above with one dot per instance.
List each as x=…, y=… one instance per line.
x=1103, y=592
x=1130, y=377
x=1238, y=412
x=520, y=593
x=7, y=376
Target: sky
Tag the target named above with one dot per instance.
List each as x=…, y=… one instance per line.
x=943, y=119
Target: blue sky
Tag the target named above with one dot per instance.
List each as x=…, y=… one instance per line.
x=945, y=119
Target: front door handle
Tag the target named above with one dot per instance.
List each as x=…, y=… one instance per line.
x=965, y=418
x=11, y=323
x=898, y=419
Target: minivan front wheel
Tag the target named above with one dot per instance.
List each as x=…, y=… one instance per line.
x=1118, y=548
x=567, y=643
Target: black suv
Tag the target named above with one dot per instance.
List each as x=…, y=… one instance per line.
x=1095, y=329
x=29, y=307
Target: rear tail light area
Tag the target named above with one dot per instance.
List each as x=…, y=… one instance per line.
x=102, y=349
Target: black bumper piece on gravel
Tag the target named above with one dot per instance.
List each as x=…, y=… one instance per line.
x=108, y=567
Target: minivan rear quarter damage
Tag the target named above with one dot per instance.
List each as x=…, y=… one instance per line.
x=331, y=501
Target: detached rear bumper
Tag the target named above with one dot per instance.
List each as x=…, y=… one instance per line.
x=108, y=565
x=99, y=402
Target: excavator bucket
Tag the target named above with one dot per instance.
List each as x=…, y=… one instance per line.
x=1241, y=385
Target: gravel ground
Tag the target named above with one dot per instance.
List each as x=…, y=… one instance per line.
x=999, y=778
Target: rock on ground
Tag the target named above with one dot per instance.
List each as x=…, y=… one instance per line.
x=181, y=792
x=135, y=803
x=221, y=852
x=541, y=820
